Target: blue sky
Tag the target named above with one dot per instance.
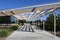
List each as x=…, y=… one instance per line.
x=7, y=4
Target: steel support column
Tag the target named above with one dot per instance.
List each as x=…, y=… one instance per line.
x=54, y=24
x=43, y=25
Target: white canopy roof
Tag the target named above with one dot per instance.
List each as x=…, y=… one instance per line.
x=13, y=12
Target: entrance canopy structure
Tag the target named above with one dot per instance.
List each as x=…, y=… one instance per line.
x=42, y=10
x=37, y=10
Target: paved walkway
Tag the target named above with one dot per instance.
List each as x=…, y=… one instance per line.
x=36, y=35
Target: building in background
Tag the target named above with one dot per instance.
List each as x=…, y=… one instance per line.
x=7, y=19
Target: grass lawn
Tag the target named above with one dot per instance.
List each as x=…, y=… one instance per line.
x=5, y=33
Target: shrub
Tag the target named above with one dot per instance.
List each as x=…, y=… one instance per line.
x=14, y=27
x=4, y=33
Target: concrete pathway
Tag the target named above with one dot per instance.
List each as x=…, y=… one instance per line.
x=36, y=35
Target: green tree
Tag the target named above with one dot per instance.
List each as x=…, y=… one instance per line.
x=22, y=21
x=58, y=22
x=50, y=22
